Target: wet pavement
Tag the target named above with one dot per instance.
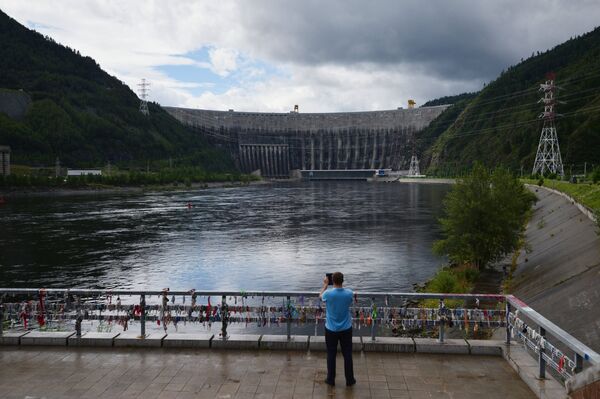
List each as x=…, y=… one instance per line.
x=141, y=373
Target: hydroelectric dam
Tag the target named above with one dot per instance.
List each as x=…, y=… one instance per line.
x=278, y=143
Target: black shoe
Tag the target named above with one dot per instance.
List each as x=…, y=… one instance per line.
x=330, y=383
x=350, y=383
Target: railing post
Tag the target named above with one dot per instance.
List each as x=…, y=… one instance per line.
x=507, y=312
x=578, y=363
x=1, y=316
x=79, y=319
x=143, y=316
x=78, y=325
x=224, y=316
x=442, y=319
x=373, y=319
x=289, y=318
x=541, y=359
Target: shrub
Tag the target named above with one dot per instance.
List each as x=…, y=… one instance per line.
x=445, y=281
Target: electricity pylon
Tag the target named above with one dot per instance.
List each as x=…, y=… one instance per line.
x=548, y=157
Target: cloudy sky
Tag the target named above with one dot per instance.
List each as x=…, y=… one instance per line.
x=335, y=55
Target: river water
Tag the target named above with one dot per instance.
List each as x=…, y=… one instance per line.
x=265, y=237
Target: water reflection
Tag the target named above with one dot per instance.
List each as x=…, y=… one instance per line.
x=253, y=238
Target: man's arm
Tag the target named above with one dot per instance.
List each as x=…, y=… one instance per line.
x=325, y=285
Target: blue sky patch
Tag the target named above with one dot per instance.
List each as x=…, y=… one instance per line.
x=201, y=74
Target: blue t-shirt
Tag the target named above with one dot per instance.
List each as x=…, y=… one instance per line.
x=338, y=301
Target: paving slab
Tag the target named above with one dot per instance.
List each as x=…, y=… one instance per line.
x=389, y=344
x=93, y=339
x=528, y=369
x=51, y=338
x=281, y=342
x=485, y=347
x=130, y=338
x=86, y=372
x=449, y=346
x=237, y=341
x=317, y=343
x=12, y=337
x=188, y=340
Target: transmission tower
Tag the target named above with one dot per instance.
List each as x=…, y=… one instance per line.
x=413, y=170
x=548, y=157
x=144, y=89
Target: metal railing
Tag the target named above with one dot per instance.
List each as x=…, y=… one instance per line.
x=398, y=311
x=539, y=339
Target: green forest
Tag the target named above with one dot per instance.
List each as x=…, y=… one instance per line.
x=499, y=126
x=84, y=116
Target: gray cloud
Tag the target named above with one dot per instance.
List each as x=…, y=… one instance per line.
x=332, y=55
x=454, y=39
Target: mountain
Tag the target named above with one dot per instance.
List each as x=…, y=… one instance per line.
x=449, y=99
x=56, y=103
x=500, y=125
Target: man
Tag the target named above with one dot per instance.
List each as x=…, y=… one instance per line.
x=338, y=327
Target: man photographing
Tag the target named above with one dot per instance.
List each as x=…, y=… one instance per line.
x=338, y=326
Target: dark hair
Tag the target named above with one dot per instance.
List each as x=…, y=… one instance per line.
x=338, y=278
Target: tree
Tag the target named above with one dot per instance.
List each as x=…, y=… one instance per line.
x=484, y=219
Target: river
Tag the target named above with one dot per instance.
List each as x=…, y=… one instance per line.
x=266, y=237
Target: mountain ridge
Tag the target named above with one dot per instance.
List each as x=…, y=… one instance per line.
x=84, y=116
x=500, y=125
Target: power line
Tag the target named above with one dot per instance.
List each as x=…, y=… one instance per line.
x=208, y=123
x=474, y=132
x=521, y=93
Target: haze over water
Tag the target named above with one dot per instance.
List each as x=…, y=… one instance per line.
x=281, y=237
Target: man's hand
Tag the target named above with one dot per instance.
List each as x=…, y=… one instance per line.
x=325, y=285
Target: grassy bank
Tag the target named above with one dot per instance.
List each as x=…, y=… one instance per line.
x=587, y=194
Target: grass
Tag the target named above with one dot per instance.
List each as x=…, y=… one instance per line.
x=587, y=194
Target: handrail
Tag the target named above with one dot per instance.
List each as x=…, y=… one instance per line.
x=366, y=294
x=551, y=328
x=581, y=351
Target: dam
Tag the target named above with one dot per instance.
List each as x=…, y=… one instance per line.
x=278, y=143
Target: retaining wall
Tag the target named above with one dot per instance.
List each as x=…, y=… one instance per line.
x=559, y=273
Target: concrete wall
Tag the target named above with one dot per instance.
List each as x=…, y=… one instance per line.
x=271, y=159
x=344, y=140
x=585, y=385
x=560, y=276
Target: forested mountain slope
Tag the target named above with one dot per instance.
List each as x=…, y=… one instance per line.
x=500, y=126
x=83, y=115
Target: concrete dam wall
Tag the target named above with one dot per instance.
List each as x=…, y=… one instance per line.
x=559, y=274
x=277, y=143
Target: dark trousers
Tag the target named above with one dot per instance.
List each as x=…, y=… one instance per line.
x=345, y=340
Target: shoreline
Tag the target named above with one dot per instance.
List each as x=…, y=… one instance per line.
x=24, y=192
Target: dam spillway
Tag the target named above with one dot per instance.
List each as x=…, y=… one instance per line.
x=277, y=143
